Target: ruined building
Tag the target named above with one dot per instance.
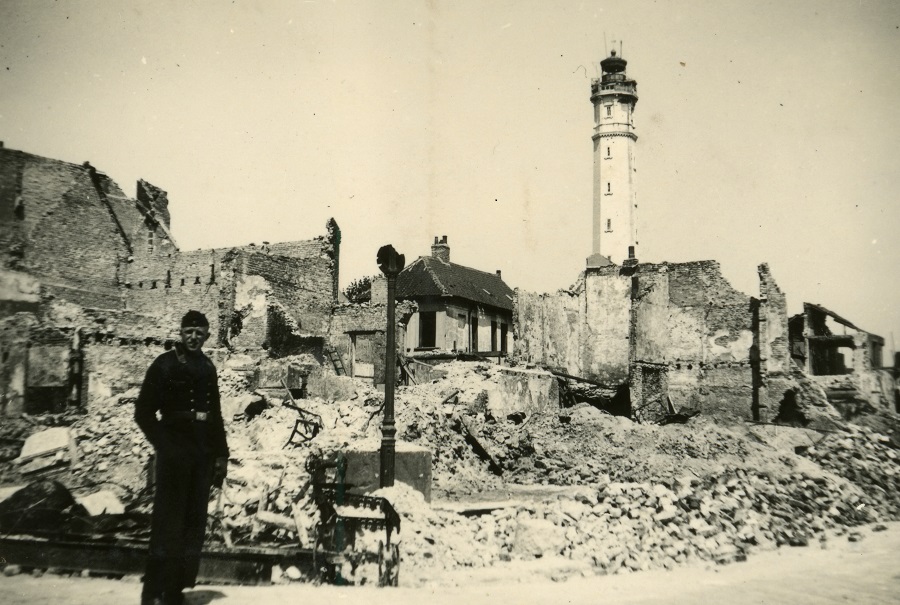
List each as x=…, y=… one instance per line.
x=677, y=336
x=844, y=360
x=85, y=265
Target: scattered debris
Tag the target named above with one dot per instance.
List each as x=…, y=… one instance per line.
x=584, y=485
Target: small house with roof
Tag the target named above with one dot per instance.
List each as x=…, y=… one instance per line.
x=459, y=308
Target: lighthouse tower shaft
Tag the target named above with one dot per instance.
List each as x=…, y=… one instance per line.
x=615, y=203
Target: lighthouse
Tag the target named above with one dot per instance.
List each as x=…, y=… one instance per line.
x=614, y=96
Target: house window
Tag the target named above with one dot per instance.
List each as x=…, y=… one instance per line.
x=427, y=329
x=493, y=335
x=151, y=241
x=503, y=332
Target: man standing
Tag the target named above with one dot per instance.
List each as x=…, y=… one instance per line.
x=191, y=456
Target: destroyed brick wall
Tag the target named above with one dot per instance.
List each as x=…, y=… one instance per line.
x=154, y=199
x=776, y=343
x=326, y=248
x=51, y=213
x=683, y=320
x=773, y=380
x=303, y=286
x=349, y=320
x=548, y=328
x=285, y=338
x=166, y=287
x=235, y=287
x=706, y=341
x=143, y=221
x=359, y=318
x=114, y=367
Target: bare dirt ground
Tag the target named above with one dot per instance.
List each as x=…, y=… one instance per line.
x=863, y=572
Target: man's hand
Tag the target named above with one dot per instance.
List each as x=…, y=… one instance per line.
x=220, y=469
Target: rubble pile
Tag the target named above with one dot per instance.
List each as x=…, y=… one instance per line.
x=620, y=527
x=265, y=501
x=13, y=432
x=113, y=453
x=627, y=496
x=868, y=460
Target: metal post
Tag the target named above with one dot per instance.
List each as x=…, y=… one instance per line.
x=390, y=264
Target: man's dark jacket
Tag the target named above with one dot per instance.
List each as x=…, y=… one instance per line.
x=181, y=382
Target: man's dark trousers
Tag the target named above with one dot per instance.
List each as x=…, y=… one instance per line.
x=183, y=478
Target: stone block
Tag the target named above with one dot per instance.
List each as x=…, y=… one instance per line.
x=412, y=466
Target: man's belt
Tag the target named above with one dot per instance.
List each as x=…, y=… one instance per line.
x=192, y=415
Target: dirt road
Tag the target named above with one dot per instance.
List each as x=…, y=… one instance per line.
x=865, y=572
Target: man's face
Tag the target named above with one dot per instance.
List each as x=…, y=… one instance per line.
x=193, y=337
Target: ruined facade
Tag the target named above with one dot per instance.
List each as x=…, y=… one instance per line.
x=677, y=334
x=844, y=360
x=82, y=265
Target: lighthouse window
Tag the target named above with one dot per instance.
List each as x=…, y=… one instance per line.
x=608, y=154
x=151, y=241
x=608, y=188
x=609, y=110
x=609, y=224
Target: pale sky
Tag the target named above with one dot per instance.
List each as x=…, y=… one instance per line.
x=768, y=131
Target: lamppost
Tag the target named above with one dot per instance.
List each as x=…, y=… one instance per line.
x=391, y=264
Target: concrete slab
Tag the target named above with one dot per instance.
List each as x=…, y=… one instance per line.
x=48, y=442
x=523, y=390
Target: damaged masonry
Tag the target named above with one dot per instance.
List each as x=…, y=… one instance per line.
x=649, y=417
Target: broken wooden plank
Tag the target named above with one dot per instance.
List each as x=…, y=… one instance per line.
x=277, y=520
x=242, y=565
x=582, y=379
x=462, y=427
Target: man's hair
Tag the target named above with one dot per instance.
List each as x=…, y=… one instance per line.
x=194, y=319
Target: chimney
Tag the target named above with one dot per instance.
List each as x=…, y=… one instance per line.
x=631, y=261
x=498, y=274
x=441, y=249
